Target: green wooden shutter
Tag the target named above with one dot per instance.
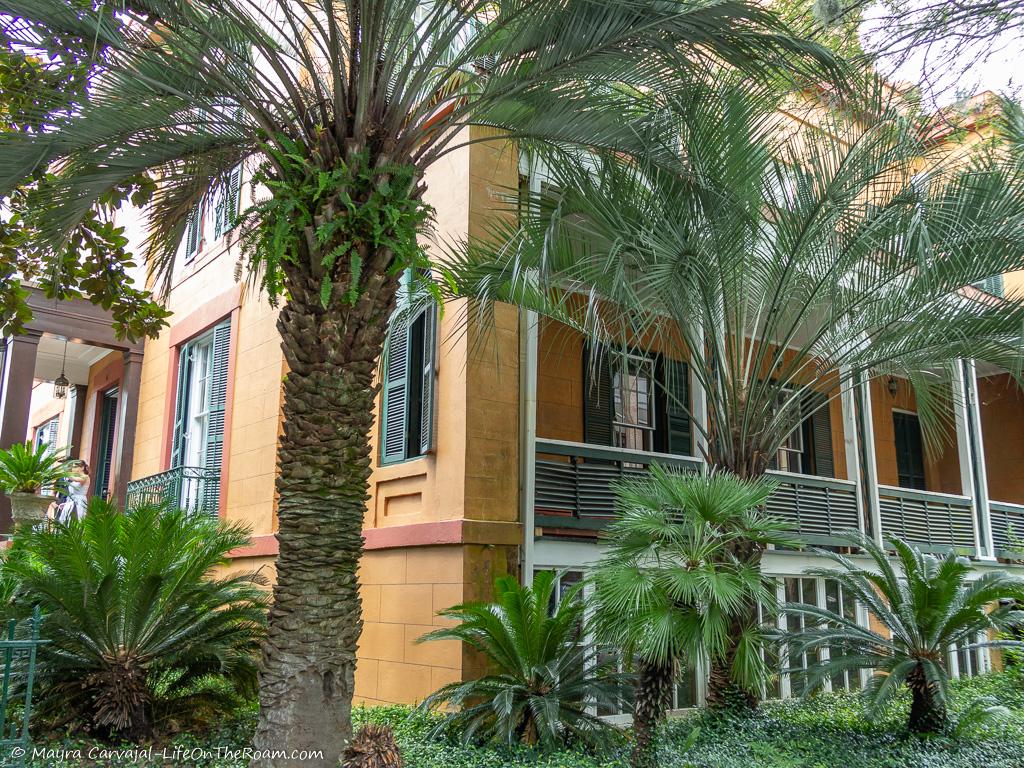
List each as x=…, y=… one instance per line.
x=51, y=431
x=192, y=231
x=993, y=285
x=598, y=409
x=396, y=389
x=226, y=211
x=181, y=406
x=218, y=400
x=427, y=389
x=818, y=442
x=677, y=404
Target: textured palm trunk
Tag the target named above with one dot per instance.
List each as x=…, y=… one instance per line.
x=653, y=698
x=323, y=462
x=723, y=692
x=927, y=712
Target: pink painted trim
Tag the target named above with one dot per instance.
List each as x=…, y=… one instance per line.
x=171, y=391
x=260, y=546
x=444, y=532
x=415, y=535
x=206, y=316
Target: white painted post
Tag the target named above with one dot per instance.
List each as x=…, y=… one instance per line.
x=851, y=442
x=867, y=433
x=977, y=443
x=529, y=335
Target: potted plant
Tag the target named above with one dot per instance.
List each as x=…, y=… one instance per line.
x=25, y=470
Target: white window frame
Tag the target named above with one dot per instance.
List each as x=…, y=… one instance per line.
x=621, y=372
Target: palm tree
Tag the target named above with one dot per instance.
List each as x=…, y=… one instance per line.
x=345, y=103
x=929, y=607
x=787, y=266
x=669, y=589
x=542, y=679
x=140, y=637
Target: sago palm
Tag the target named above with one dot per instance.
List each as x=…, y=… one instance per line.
x=542, y=679
x=141, y=636
x=345, y=104
x=785, y=265
x=929, y=607
x=669, y=589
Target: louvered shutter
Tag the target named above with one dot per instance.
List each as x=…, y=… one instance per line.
x=218, y=400
x=396, y=388
x=192, y=232
x=181, y=407
x=993, y=285
x=427, y=390
x=677, y=403
x=597, y=397
x=226, y=211
x=820, y=434
x=51, y=432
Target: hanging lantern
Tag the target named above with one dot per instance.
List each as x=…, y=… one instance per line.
x=61, y=383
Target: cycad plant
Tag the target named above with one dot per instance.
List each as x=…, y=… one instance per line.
x=542, y=679
x=787, y=266
x=141, y=636
x=929, y=606
x=669, y=589
x=343, y=105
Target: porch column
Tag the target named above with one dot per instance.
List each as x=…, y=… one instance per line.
x=971, y=455
x=529, y=327
x=77, y=394
x=851, y=443
x=867, y=455
x=17, y=373
x=127, y=415
x=699, y=404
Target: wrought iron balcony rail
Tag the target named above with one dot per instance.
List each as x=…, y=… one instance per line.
x=194, y=489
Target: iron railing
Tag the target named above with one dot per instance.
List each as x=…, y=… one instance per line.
x=936, y=522
x=18, y=647
x=573, y=490
x=1007, y=522
x=194, y=489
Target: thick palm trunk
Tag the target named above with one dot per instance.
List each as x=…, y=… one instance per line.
x=653, y=698
x=723, y=692
x=927, y=712
x=323, y=459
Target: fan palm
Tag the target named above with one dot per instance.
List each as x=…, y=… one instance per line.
x=346, y=104
x=786, y=265
x=140, y=635
x=669, y=588
x=929, y=607
x=543, y=679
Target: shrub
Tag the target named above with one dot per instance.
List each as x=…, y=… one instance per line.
x=142, y=638
x=542, y=679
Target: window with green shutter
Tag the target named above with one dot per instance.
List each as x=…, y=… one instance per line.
x=225, y=211
x=200, y=404
x=909, y=450
x=410, y=361
x=636, y=400
x=193, y=232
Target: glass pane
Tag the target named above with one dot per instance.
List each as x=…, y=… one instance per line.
x=686, y=688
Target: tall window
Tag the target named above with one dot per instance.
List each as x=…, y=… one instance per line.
x=407, y=423
x=909, y=450
x=199, y=417
x=823, y=593
x=46, y=433
x=222, y=206
x=633, y=399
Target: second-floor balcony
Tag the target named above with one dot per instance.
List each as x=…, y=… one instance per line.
x=193, y=489
x=857, y=463
x=574, y=495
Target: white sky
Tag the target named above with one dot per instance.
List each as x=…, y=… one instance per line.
x=955, y=68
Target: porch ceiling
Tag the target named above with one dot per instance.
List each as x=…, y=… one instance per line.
x=50, y=355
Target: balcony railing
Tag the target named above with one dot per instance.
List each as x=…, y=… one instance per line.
x=936, y=522
x=1007, y=529
x=573, y=490
x=194, y=489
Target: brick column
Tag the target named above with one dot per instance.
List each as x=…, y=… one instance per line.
x=16, y=376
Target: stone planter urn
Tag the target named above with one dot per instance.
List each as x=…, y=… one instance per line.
x=29, y=507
